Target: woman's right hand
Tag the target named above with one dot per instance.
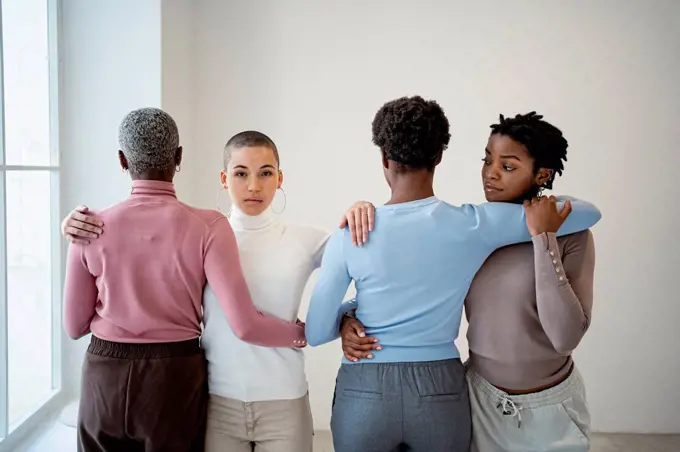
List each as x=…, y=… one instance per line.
x=359, y=219
x=81, y=227
x=542, y=215
x=355, y=344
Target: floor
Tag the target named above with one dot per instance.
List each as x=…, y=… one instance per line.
x=62, y=439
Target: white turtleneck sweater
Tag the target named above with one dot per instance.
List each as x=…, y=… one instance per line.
x=277, y=260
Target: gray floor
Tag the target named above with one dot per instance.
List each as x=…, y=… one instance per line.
x=601, y=443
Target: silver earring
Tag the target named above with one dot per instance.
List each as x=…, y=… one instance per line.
x=178, y=168
x=540, y=193
x=285, y=201
x=218, y=199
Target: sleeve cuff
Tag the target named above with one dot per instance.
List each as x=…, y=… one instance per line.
x=546, y=246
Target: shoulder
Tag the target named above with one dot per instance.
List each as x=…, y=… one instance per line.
x=307, y=233
x=581, y=237
x=208, y=217
x=578, y=242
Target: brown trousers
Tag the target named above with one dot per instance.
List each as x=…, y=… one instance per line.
x=143, y=397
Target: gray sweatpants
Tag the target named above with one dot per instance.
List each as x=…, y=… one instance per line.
x=418, y=407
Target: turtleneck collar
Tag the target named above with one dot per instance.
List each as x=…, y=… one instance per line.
x=153, y=187
x=241, y=221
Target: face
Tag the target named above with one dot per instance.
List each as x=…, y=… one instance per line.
x=508, y=171
x=252, y=178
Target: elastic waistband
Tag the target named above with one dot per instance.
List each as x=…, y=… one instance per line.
x=428, y=364
x=120, y=350
x=411, y=355
x=550, y=396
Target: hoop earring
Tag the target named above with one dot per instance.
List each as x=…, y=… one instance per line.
x=218, y=201
x=285, y=201
x=178, y=168
x=540, y=193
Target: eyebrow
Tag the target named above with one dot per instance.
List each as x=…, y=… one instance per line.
x=245, y=167
x=505, y=156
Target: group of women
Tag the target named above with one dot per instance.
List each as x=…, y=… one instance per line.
x=196, y=342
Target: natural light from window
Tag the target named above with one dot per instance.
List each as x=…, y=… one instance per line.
x=30, y=186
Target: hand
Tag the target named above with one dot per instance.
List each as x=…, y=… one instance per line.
x=360, y=219
x=301, y=343
x=542, y=215
x=355, y=344
x=79, y=227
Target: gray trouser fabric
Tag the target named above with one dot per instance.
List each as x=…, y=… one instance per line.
x=419, y=407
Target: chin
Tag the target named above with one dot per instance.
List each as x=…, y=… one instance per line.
x=253, y=209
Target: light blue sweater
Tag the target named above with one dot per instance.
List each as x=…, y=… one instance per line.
x=414, y=272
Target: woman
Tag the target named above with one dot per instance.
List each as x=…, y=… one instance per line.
x=248, y=408
x=411, y=278
x=528, y=308
x=138, y=290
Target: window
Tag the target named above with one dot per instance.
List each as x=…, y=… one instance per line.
x=30, y=282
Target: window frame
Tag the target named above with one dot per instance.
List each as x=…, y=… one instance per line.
x=11, y=434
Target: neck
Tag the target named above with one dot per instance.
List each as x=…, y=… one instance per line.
x=411, y=187
x=530, y=194
x=242, y=221
x=153, y=175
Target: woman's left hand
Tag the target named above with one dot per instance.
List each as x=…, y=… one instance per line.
x=359, y=218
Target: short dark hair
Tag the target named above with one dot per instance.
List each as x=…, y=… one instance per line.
x=544, y=141
x=248, y=138
x=412, y=131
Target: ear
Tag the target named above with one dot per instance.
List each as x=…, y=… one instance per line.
x=280, y=179
x=439, y=159
x=223, y=179
x=123, y=161
x=385, y=162
x=543, y=175
x=178, y=156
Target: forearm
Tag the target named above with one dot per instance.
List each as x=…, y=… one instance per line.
x=326, y=307
x=560, y=310
x=249, y=324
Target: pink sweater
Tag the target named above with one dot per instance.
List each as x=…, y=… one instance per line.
x=142, y=281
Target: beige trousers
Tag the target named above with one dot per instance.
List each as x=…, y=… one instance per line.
x=267, y=426
x=554, y=420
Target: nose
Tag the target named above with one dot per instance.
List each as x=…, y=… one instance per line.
x=492, y=173
x=254, y=185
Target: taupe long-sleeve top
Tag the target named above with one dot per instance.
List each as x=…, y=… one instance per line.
x=528, y=308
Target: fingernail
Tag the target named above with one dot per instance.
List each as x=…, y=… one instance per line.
x=370, y=356
x=378, y=347
x=375, y=340
x=362, y=334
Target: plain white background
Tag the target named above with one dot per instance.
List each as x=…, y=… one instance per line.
x=312, y=75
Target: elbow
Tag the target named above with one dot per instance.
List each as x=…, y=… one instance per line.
x=74, y=332
x=314, y=338
x=246, y=332
x=565, y=344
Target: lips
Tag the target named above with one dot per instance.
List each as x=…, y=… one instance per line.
x=490, y=187
x=253, y=200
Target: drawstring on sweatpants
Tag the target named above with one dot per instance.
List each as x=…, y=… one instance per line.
x=509, y=408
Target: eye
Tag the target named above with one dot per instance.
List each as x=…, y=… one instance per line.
x=508, y=168
x=240, y=174
x=267, y=173
x=486, y=161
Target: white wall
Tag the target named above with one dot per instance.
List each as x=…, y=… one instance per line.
x=312, y=74
x=111, y=64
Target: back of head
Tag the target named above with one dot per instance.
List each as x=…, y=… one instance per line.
x=412, y=132
x=544, y=142
x=149, y=140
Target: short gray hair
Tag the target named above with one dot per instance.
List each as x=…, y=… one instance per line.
x=149, y=139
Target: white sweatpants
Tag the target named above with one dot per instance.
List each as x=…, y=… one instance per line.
x=553, y=420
